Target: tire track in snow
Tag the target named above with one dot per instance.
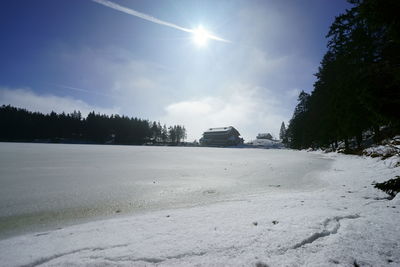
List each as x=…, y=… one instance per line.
x=331, y=227
x=154, y=260
x=59, y=255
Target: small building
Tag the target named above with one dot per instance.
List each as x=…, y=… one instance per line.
x=222, y=136
x=264, y=136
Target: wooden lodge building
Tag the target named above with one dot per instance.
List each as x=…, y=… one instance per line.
x=222, y=136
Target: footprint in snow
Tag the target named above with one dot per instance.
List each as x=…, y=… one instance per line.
x=208, y=192
x=274, y=185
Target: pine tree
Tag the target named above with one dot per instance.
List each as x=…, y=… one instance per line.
x=164, y=134
x=22, y=125
x=282, y=132
x=357, y=87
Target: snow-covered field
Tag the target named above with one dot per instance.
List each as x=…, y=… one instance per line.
x=293, y=216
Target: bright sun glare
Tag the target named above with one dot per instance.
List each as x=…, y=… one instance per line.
x=200, y=36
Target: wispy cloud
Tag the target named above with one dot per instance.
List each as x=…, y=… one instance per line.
x=153, y=19
x=26, y=98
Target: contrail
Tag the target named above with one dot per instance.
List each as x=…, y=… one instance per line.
x=138, y=14
x=78, y=89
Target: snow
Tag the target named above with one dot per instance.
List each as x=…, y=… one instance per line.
x=382, y=151
x=392, y=162
x=344, y=221
x=396, y=200
x=46, y=186
x=219, y=129
x=389, y=152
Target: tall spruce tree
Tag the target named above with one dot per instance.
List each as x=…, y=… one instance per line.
x=282, y=132
x=358, y=82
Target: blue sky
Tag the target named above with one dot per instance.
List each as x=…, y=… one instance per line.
x=77, y=54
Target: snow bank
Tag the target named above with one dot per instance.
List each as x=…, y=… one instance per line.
x=384, y=151
x=389, y=152
x=345, y=223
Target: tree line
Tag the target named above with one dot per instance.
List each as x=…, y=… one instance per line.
x=22, y=125
x=357, y=89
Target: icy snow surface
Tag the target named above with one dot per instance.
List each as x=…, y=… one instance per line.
x=50, y=185
x=342, y=221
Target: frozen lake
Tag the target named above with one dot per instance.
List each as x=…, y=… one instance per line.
x=46, y=186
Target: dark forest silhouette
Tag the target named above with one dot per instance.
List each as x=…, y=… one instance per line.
x=358, y=82
x=22, y=125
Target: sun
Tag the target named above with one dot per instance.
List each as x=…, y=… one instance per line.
x=200, y=36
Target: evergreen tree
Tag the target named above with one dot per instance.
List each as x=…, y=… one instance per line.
x=358, y=84
x=282, y=132
x=172, y=134
x=164, y=134
x=22, y=125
